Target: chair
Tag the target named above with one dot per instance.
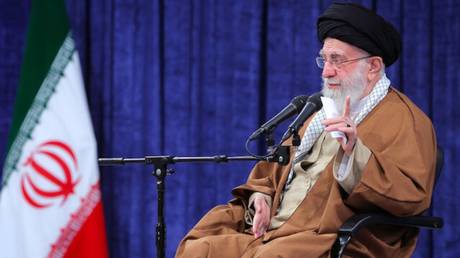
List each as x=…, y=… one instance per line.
x=358, y=221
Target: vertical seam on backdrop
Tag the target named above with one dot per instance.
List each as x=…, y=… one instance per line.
x=263, y=67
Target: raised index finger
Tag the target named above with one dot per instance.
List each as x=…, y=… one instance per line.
x=346, y=108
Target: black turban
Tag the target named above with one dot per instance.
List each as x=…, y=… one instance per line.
x=362, y=28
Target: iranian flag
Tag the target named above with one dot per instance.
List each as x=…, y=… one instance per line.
x=50, y=202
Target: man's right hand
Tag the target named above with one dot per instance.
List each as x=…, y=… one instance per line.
x=261, y=219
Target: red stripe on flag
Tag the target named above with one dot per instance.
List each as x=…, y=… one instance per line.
x=91, y=240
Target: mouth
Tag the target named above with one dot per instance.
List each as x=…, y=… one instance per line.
x=333, y=85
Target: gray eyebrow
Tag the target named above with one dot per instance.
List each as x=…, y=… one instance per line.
x=332, y=55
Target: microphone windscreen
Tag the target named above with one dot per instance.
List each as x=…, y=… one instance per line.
x=316, y=99
x=299, y=101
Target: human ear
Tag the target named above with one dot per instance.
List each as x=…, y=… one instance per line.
x=376, y=65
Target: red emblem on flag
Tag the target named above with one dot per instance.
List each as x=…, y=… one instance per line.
x=50, y=176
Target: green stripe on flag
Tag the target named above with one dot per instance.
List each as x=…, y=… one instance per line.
x=48, y=27
x=48, y=50
x=39, y=104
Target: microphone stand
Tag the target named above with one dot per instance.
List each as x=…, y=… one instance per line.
x=280, y=152
x=160, y=164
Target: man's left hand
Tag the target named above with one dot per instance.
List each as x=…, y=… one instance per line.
x=262, y=216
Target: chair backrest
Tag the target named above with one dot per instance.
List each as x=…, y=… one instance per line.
x=439, y=164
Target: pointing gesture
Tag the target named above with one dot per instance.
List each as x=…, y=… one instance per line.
x=343, y=124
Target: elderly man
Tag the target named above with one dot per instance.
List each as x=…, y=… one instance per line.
x=385, y=163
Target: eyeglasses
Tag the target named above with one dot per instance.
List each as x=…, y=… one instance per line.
x=337, y=63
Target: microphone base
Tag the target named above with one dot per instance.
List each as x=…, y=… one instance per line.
x=281, y=155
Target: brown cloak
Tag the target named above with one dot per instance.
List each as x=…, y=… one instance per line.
x=398, y=179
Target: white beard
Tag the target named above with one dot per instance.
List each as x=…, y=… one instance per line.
x=352, y=86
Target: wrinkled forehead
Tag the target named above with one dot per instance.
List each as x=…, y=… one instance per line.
x=335, y=47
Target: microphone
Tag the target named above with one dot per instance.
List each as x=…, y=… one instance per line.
x=313, y=104
x=297, y=103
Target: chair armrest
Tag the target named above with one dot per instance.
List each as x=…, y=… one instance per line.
x=358, y=221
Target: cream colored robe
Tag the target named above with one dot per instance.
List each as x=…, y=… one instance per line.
x=398, y=179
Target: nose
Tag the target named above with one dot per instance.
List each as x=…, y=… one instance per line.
x=328, y=70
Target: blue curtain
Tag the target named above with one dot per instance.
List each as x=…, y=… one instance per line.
x=186, y=78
